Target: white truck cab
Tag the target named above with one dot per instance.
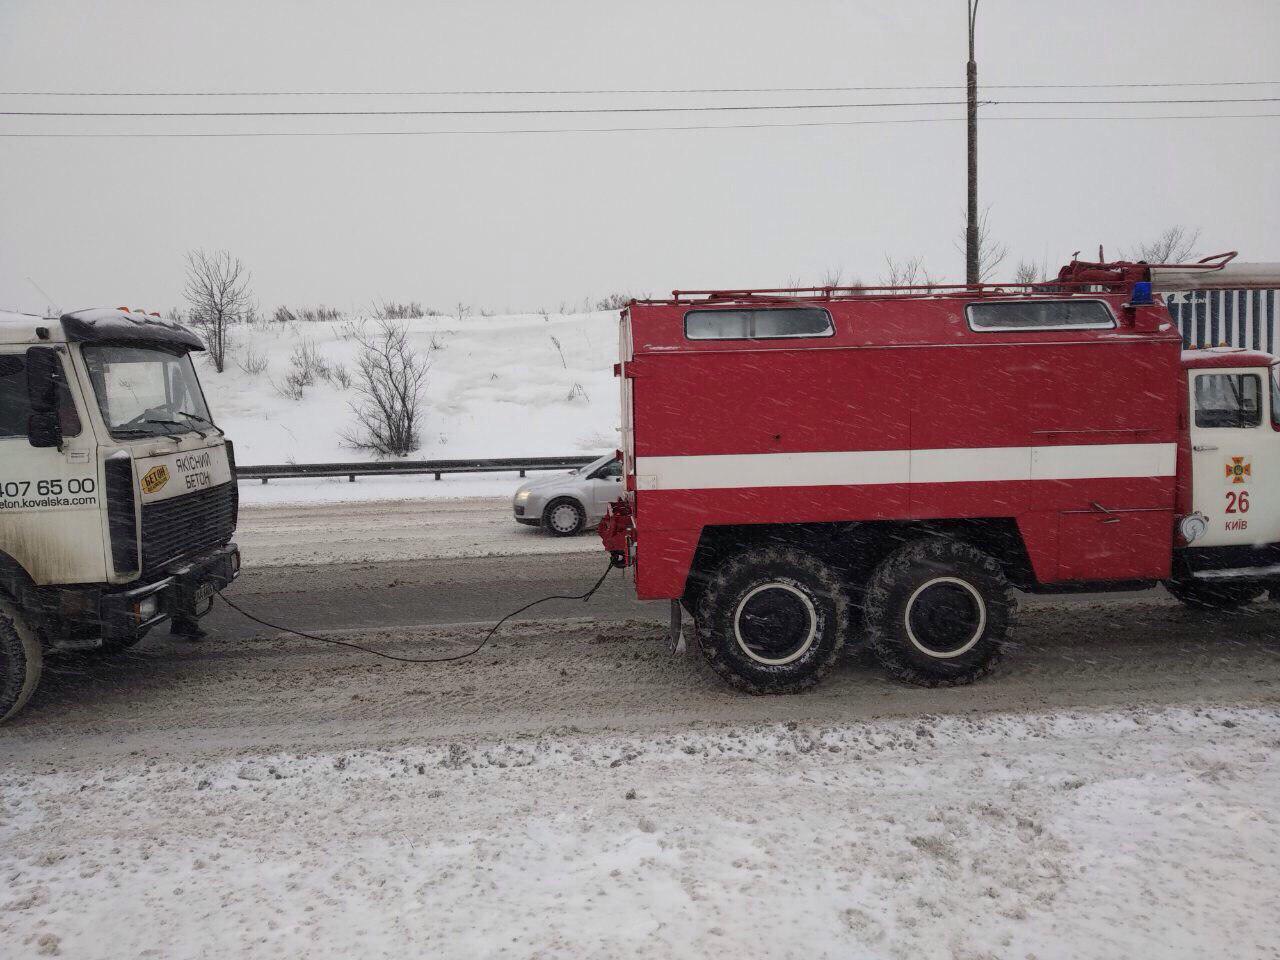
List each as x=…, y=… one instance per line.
x=1229, y=497
x=118, y=498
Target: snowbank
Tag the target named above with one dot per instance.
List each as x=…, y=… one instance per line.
x=1131, y=833
x=522, y=385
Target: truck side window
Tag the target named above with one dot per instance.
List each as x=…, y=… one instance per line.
x=758, y=324
x=14, y=408
x=1275, y=397
x=1040, y=315
x=1231, y=400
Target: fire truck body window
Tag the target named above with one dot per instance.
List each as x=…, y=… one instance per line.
x=1231, y=400
x=1040, y=315
x=1275, y=398
x=758, y=324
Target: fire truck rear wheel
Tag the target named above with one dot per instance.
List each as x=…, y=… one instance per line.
x=564, y=517
x=20, y=661
x=1214, y=596
x=939, y=612
x=773, y=620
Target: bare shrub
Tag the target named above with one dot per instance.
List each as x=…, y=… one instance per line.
x=1176, y=245
x=307, y=362
x=905, y=273
x=252, y=363
x=560, y=350
x=291, y=387
x=340, y=376
x=614, y=301
x=217, y=293
x=283, y=315
x=576, y=392
x=393, y=310
x=991, y=252
x=1028, y=271
x=389, y=380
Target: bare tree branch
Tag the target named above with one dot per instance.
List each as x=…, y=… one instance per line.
x=217, y=293
x=1177, y=244
x=389, y=380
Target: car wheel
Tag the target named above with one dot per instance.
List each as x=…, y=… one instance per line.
x=772, y=620
x=20, y=661
x=939, y=612
x=564, y=518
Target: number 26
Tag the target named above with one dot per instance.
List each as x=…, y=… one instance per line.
x=1237, y=502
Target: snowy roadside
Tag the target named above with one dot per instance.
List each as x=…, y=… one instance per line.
x=1081, y=834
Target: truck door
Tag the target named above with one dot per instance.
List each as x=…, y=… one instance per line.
x=49, y=517
x=1235, y=455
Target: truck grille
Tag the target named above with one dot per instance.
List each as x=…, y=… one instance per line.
x=182, y=526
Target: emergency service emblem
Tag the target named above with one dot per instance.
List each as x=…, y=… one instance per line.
x=1239, y=470
x=155, y=478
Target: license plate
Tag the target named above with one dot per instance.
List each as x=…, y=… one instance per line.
x=204, y=594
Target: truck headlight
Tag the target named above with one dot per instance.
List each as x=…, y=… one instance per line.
x=146, y=608
x=1193, y=527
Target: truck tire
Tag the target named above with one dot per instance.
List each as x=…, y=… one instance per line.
x=20, y=661
x=772, y=620
x=564, y=517
x=939, y=612
x=1200, y=595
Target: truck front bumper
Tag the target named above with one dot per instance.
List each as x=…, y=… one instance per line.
x=185, y=589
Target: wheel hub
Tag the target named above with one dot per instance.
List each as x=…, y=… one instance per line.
x=945, y=617
x=775, y=623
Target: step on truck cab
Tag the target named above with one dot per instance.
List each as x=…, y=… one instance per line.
x=806, y=469
x=118, y=498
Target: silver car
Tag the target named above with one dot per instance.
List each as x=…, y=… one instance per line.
x=568, y=504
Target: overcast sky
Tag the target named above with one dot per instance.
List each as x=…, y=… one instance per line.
x=526, y=221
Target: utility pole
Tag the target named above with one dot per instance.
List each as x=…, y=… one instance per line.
x=971, y=272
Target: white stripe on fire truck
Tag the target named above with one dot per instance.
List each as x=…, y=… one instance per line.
x=862, y=467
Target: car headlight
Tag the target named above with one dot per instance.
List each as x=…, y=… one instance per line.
x=1193, y=527
x=522, y=496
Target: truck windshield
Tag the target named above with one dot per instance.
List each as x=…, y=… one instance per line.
x=146, y=391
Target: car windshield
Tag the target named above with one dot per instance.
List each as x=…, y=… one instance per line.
x=146, y=391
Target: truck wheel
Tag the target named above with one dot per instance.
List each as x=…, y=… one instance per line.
x=564, y=518
x=1200, y=595
x=20, y=661
x=939, y=612
x=772, y=620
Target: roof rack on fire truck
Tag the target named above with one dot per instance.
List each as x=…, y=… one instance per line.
x=1079, y=276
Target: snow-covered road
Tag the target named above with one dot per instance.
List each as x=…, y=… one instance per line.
x=577, y=792
x=355, y=532
x=1118, y=833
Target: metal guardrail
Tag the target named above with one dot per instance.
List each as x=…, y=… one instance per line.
x=277, y=471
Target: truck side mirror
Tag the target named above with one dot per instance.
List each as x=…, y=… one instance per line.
x=43, y=373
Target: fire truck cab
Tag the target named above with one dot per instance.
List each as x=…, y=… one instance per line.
x=811, y=468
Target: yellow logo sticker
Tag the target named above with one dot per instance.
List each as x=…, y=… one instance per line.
x=1239, y=470
x=155, y=478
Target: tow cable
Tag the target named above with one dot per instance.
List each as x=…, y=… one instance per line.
x=389, y=656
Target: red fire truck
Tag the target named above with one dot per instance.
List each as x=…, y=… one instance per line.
x=815, y=467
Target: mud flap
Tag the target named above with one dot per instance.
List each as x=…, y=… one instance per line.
x=677, y=646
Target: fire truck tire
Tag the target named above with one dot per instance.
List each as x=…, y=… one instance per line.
x=939, y=613
x=772, y=620
x=564, y=517
x=1214, y=596
x=21, y=659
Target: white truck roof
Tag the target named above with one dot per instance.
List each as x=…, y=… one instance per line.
x=21, y=328
x=96, y=324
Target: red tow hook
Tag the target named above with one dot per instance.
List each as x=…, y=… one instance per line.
x=617, y=532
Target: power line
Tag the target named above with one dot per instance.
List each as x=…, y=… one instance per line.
x=544, y=111
x=558, y=130
x=630, y=91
